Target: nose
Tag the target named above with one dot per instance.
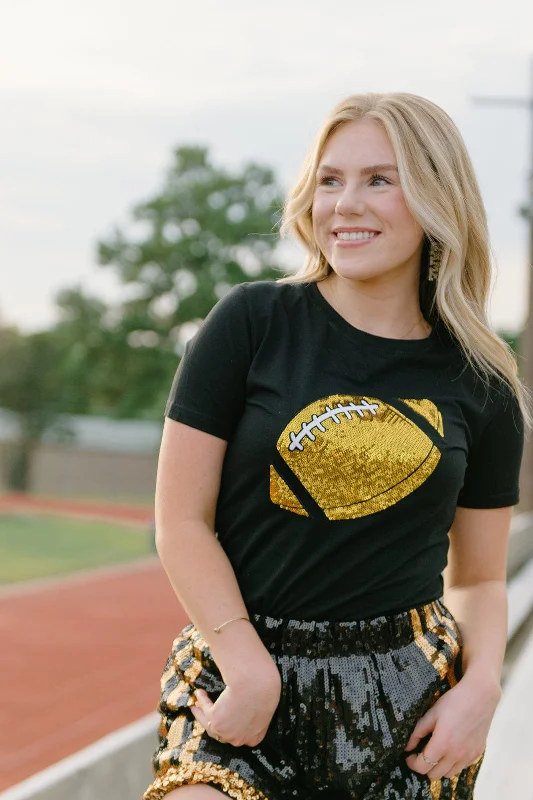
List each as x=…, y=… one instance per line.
x=350, y=202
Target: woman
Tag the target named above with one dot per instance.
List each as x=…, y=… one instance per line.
x=345, y=431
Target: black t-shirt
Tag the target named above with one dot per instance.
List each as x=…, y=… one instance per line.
x=347, y=452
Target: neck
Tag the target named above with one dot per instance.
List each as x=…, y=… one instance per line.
x=392, y=312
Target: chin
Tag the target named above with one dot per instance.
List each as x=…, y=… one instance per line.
x=359, y=272
x=366, y=269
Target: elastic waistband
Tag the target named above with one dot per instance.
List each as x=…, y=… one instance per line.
x=325, y=639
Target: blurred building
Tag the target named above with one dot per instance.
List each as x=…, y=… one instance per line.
x=89, y=457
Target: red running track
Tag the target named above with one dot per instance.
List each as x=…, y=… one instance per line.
x=80, y=657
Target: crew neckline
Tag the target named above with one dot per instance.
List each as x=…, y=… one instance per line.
x=383, y=343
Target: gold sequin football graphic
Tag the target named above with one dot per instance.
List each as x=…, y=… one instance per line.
x=355, y=455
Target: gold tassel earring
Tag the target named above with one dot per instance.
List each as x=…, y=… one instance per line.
x=435, y=258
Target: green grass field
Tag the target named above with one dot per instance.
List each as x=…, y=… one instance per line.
x=39, y=546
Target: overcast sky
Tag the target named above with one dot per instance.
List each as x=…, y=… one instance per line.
x=95, y=96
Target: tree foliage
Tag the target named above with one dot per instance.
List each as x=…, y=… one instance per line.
x=512, y=338
x=102, y=370
x=29, y=387
x=207, y=230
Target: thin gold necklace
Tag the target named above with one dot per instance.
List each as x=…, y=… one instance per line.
x=420, y=319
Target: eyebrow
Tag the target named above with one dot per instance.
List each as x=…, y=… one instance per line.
x=364, y=171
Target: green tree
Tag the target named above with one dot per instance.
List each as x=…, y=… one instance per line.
x=29, y=387
x=104, y=370
x=512, y=338
x=208, y=229
x=79, y=335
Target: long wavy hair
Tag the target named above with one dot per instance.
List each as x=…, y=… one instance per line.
x=442, y=193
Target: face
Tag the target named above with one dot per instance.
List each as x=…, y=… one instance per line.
x=360, y=219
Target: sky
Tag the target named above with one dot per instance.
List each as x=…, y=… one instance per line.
x=95, y=97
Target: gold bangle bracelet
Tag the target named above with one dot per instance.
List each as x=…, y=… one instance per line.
x=234, y=619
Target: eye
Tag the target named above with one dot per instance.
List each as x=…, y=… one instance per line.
x=379, y=178
x=327, y=180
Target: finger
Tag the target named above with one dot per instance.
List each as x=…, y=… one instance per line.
x=203, y=701
x=205, y=722
x=200, y=716
x=254, y=740
x=417, y=764
x=459, y=766
x=424, y=761
x=454, y=770
x=423, y=727
x=443, y=769
x=433, y=770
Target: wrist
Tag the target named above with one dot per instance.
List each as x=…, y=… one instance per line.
x=260, y=671
x=239, y=653
x=483, y=680
x=218, y=628
x=257, y=667
x=481, y=666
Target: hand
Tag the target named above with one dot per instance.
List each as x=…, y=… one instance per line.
x=458, y=723
x=242, y=713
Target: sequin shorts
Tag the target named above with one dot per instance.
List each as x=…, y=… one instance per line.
x=352, y=692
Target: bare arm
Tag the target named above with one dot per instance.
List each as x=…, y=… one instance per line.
x=188, y=482
x=475, y=593
x=475, y=588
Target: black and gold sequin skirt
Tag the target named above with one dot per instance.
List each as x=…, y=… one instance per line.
x=352, y=692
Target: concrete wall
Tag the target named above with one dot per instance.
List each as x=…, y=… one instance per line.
x=116, y=767
x=87, y=456
x=67, y=471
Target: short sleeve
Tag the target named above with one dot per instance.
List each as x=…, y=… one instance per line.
x=209, y=388
x=493, y=468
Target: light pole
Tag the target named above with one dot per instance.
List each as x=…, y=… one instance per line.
x=526, y=339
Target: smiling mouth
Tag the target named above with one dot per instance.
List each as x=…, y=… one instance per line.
x=355, y=236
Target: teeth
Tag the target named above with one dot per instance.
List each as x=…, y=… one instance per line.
x=355, y=235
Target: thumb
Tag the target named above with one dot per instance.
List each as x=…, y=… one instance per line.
x=203, y=701
x=424, y=726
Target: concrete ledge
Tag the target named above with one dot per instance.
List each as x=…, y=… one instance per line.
x=116, y=767
x=520, y=593
x=506, y=772
x=520, y=542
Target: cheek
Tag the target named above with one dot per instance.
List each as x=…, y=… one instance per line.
x=324, y=203
x=414, y=232
x=405, y=222
x=320, y=213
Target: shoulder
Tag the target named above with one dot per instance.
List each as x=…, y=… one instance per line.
x=253, y=308
x=268, y=301
x=496, y=402
x=487, y=395
x=490, y=387
x=258, y=295
x=248, y=301
x=504, y=401
x=271, y=292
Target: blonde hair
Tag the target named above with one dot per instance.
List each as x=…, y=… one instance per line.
x=442, y=193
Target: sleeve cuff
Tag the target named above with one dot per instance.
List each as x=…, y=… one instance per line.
x=198, y=421
x=497, y=501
